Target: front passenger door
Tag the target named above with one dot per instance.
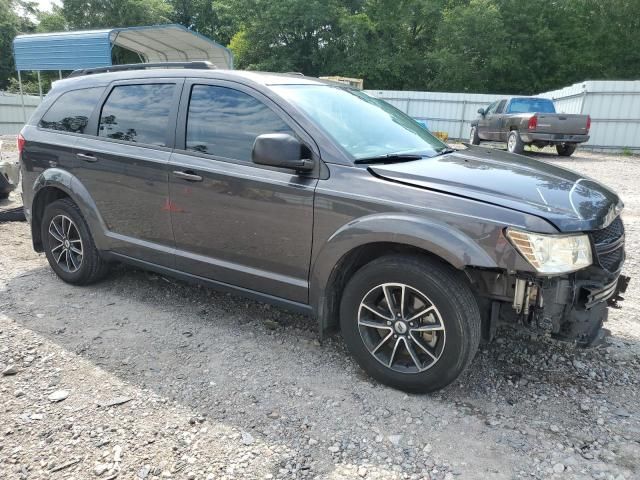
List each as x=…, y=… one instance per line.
x=484, y=123
x=234, y=221
x=495, y=121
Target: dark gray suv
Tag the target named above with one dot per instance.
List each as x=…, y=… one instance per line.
x=320, y=198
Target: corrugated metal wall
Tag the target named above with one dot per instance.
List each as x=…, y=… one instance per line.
x=614, y=107
x=11, y=117
x=441, y=112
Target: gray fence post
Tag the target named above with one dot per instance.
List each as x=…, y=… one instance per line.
x=39, y=85
x=464, y=109
x=24, y=111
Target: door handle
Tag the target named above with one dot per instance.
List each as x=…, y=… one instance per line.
x=87, y=157
x=188, y=175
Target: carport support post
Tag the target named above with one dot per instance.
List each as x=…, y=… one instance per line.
x=60, y=74
x=39, y=85
x=24, y=111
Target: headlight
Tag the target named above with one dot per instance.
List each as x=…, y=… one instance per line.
x=552, y=254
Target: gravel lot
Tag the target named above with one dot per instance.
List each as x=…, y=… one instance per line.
x=143, y=376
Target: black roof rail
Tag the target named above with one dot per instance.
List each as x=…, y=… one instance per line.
x=199, y=65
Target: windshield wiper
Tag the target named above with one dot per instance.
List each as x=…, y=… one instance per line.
x=389, y=158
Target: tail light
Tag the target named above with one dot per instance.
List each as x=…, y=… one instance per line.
x=21, y=141
x=533, y=122
x=588, y=123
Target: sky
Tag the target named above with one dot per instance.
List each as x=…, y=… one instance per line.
x=46, y=4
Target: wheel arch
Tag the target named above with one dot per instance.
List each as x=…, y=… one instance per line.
x=364, y=240
x=54, y=184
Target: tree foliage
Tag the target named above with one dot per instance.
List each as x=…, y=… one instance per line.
x=501, y=46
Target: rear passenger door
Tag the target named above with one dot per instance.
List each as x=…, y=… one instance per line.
x=125, y=166
x=234, y=221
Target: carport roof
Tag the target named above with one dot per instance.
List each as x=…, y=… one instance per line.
x=92, y=48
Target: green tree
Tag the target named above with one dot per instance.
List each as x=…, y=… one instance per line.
x=287, y=35
x=86, y=14
x=471, y=48
x=202, y=16
x=386, y=42
x=14, y=19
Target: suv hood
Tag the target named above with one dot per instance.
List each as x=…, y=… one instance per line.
x=568, y=200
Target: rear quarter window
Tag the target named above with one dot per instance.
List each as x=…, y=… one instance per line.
x=71, y=111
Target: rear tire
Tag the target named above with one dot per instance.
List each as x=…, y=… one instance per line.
x=69, y=246
x=566, y=149
x=428, y=351
x=474, y=138
x=514, y=142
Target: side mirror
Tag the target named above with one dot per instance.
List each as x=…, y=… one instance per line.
x=481, y=111
x=280, y=150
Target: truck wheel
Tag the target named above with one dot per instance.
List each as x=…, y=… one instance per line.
x=69, y=246
x=410, y=322
x=514, y=142
x=566, y=149
x=474, y=139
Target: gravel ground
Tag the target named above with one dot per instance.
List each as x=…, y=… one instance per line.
x=143, y=376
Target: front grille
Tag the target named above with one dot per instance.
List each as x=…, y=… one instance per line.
x=610, y=234
x=609, y=245
x=611, y=261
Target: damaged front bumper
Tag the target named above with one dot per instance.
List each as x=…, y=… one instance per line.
x=577, y=308
x=572, y=307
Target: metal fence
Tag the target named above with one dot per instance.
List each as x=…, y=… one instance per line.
x=11, y=114
x=614, y=107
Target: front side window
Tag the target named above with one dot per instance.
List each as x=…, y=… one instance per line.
x=71, y=111
x=225, y=122
x=362, y=125
x=491, y=109
x=137, y=113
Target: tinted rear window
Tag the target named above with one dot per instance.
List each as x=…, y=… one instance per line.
x=137, y=113
x=225, y=122
x=531, y=105
x=71, y=111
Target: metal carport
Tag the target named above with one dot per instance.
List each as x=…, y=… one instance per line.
x=92, y=48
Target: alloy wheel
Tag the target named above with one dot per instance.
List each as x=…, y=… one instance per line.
x=65, y=243
x=511, y=143
x=401, y=328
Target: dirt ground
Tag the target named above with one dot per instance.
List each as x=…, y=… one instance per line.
x=142, y=376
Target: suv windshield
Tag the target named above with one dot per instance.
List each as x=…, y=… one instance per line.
x=363, y=125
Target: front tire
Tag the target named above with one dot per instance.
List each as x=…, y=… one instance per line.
x=566, y=149
x=410, y=322
x=69, y=246
x=514, y=142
